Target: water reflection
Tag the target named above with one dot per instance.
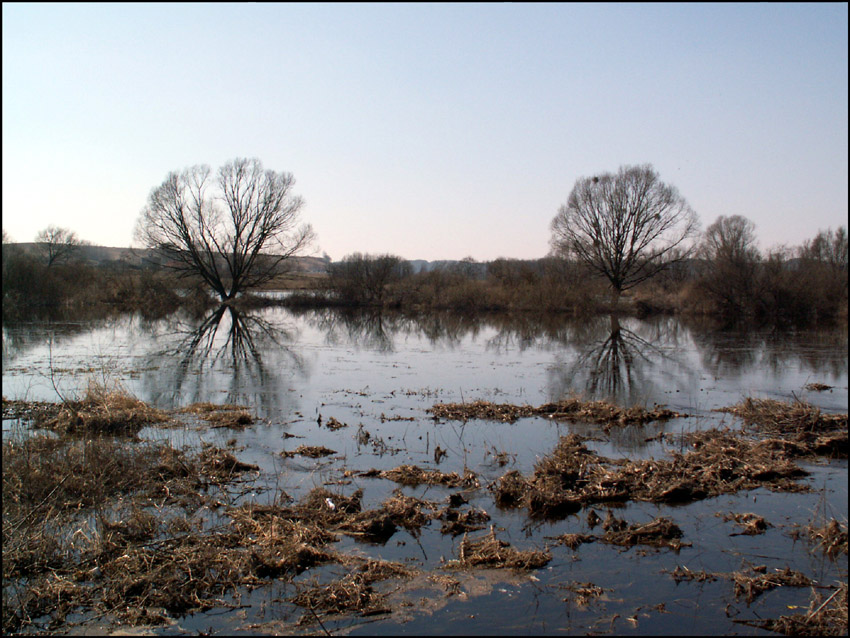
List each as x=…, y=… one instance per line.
x=371, y=329
x=228, y=357
x=617, y=363
x=733, y=351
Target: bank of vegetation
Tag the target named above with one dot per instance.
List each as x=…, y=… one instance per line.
x=803, y=284
x=623, y=241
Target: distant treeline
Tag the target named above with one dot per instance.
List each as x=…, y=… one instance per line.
x=804, y=283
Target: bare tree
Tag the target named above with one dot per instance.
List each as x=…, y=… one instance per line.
x=55, y=244
x=236, y=231
x=828, y=248
x=626, y=227
x=730, y=262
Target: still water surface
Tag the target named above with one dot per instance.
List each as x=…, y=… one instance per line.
x=380, y=373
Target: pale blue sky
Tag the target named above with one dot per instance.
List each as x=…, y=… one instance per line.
x=428, y=131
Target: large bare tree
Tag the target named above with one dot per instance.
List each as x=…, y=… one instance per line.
x=56, y=244
x=626, y=226
x=236, y=230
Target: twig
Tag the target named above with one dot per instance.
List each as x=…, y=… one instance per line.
x=815, y=612
x=319, y=620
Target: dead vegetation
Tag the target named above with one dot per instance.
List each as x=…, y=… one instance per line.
x=353, y=593
x=310, y=451
x=224, y=415
x=799, y=426
x=110, y=525
x=751, y=524
x=573, y=409
x=828, y=536
x=659, y=532
x=333, y=425
x=717, y=462
x=817, y=387
x=489, y=551
x=101, y=411
x=415, y=475
x=826, y=617
x=583, y=593
x=85, y=527
x=749, y=584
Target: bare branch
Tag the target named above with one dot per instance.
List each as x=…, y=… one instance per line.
x=57, y=244
x=235, y=233
x=626, y=227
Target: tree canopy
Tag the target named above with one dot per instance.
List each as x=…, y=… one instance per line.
x=235, y=231
x=626, y=226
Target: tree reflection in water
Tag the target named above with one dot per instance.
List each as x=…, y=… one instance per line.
x=621, y=365
x=372, y=329
x=231, y=342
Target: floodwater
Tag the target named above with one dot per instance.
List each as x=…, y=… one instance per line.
x=380, y=373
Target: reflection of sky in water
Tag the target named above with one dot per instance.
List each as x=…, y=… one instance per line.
x=385, y=371
x=279, y=363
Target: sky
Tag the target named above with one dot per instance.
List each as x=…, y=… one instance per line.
x=428, y=131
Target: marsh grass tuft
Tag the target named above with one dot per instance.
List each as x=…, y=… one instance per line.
x=573, y=409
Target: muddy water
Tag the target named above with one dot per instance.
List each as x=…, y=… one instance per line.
x=379, y=374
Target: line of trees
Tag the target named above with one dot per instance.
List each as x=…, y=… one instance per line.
x=623, y=232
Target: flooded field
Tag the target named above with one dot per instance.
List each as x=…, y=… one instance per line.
x=443, y=474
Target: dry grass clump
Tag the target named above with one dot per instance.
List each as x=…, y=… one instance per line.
x=583, y=593
x=573, y=409
x=817, y=387
x=682, y=573
x=44, y=473
x=718, y=462
x=181, y=574
x=84, y=528
x=752, y=524
x=414, y=475
x=333, y=425
x=489, y=551
x=573, y=541
x=34, y=411
x=219, y=465
x=824, y=618
x=779, y=417
x=281, y=545
x=660, y=532
x=102, y=411
x=333, y=512
x=353, y=593
x=311, y=451
x=457, y=522
x=224, y=415
x=407, y=511
x=752, y=586
x=801, y=428
x=831, y=537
